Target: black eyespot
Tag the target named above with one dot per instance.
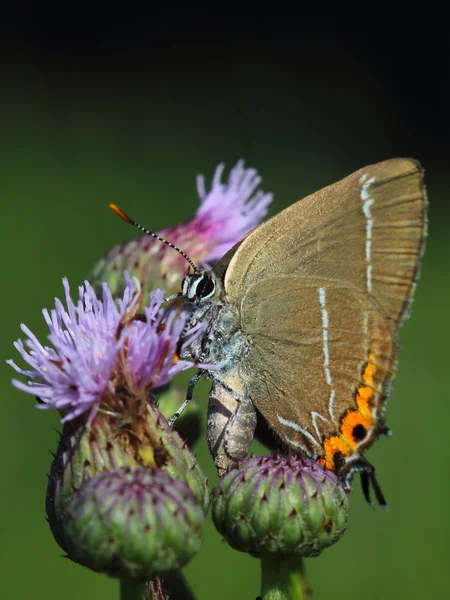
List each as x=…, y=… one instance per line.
x=359, y=432
x=205, y=287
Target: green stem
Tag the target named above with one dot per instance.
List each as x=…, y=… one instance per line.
x=283, y=579
x=131, y=590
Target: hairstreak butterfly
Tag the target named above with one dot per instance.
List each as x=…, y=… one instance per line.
x=303, y=316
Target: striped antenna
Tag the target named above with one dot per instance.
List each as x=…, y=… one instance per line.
x=127, y=219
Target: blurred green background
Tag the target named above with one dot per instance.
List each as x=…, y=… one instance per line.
x=129, y=111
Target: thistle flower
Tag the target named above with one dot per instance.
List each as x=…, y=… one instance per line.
x=102, y=352
x=99, y=373
x=104, y=361
x=226, y=213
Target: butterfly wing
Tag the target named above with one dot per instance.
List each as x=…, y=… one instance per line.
x=322, y=289
x=323, y=355
x=367, y=229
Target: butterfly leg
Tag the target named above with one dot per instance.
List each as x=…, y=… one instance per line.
x=231, y=425
x=190, y=390
x=368, y=481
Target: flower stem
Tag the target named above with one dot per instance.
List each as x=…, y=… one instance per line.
x=173, y=587
x=155, y=590
x=283, y=579
x=131, y=590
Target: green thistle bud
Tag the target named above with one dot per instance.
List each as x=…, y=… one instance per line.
x=172, y=454
x=280, y=506
x=133, y=523
x=152, y=263
x=112, y=442
x=81, y=454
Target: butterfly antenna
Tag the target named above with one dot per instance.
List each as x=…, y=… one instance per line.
x=127, y=219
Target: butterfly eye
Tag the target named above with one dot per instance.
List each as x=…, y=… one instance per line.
x=205, y=287
x=198, y=286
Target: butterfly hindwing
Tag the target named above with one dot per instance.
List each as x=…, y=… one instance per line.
x=315, y=386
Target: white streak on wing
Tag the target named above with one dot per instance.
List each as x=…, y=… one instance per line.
x=297, y=445
x=326, y=352
x=366, y=183
x=369, y=278
x=297, y=427
x=323, y=303
x=366, y=323
x=325, y=349
x=314, y=416
x=322, y=297
x=369, y=226
x=367, y=203
x=330, y=405
x=326, y=360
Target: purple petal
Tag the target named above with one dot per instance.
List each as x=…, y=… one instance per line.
x=229, y=210
x=87, y=346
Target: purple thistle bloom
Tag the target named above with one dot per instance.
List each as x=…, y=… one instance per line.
x=229, y=210
x=97, y=343
x=226, y=213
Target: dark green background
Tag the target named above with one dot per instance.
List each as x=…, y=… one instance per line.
x=85, y=124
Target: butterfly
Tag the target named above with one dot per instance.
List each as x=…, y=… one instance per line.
x=302, y=320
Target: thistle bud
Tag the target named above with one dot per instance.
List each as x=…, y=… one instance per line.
x=106, y=446
x=133, y=523
x=281, y=506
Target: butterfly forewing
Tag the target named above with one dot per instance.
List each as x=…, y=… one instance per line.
x=367, y=229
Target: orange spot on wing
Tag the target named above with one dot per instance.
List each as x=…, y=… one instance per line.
x=365, y=392
x=345, y=443
x=331, y=446
x=369, y=370
x=350, y=421
x=326, y=463
x=363, y=397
